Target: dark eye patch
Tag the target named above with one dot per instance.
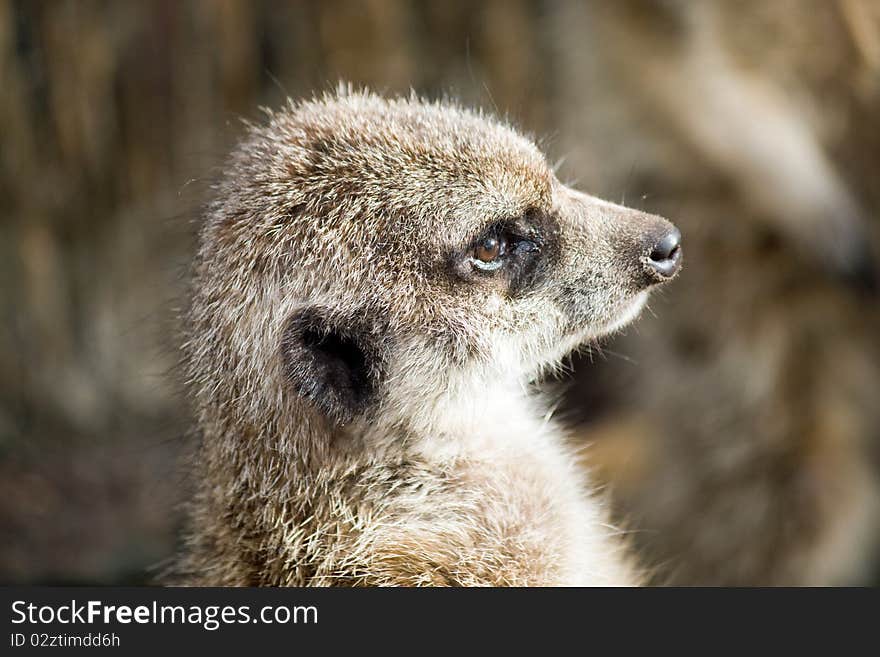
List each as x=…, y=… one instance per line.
x=531, y=249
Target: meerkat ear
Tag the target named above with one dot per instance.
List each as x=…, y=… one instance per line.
x=330, y=363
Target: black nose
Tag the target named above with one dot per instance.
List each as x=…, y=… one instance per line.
x=664, y=260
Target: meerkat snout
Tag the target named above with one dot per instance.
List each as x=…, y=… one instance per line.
x=375, y=279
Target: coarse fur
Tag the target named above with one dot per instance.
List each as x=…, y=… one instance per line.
x=361, y=381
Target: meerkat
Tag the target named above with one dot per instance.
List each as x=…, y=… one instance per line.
x=378, y=281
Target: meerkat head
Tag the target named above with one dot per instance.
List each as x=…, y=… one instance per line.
x=362, y=252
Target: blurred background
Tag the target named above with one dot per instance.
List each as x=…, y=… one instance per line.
x=735, y=430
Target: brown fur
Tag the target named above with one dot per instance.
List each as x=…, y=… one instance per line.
x=361, y=383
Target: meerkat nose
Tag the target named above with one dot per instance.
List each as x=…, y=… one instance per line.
x=665, y=257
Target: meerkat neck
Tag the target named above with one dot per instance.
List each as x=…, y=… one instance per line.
x=465, y=420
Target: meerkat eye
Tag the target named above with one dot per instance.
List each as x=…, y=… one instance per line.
x=491, y=248
x=489, y=252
